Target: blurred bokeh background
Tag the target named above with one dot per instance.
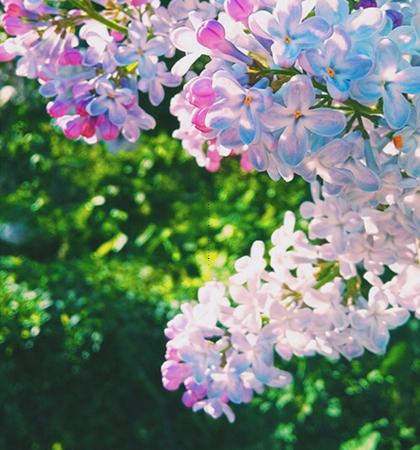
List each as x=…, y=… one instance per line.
x=97, y=249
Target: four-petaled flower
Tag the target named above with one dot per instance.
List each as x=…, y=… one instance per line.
x=290, y=35
x=238, y=112
x=336, y=66
x=297, y=119
x=390, y=78
x=112, y=100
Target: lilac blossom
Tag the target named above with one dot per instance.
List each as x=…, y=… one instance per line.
x=336, y=66
x=390, y=78
x=298, y=119
x=111, y=100
x=237, y=112
x=289, y=34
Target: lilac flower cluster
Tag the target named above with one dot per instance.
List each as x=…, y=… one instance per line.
x=328, y=90
x=288, y=78
x=96, y=61
x=222, y=348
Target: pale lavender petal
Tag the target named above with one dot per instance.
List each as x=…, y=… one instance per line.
x=170, y=80
x=293, y=145
x=147, y=67
x=263, y=24
x=230, y=138
x=156, y=47
x=364, y=23
x=225, y=85
x=324, y=121
x=126, y=56
x=396, y=107
x=277, y=118
x=156, y=93
x=182, y=66
x=387, y=57
x=185, y=39
x=380, y=337
x=104, y=87
x=333, y=11
x=97, y=106
x=408, y=80
x=312, y=30
x=405, y=37
x=335, y=152
x=223, y=113
x=248, y=127
x=395, y=317
x=364, y=178
x=367, y=89
x=299, y=93
x=117, y=113
x=288, y=14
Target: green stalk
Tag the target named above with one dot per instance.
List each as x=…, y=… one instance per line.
x=109, y=23
x=332, y=273
x=93, y=14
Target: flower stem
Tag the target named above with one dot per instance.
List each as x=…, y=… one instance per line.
x=88, y=8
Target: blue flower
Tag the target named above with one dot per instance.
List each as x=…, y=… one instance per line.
x=297, y=120
x=335, y=64
x=287, y=31
x=390, y=78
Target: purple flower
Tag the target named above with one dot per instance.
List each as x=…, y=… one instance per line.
x=112, y=100
x=238, y=112
x=297, y=120
x=328, y=163
x=137, y=120
x=154, y=83
x=141, y=50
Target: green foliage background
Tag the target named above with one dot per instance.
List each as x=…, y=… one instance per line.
x=97, y=249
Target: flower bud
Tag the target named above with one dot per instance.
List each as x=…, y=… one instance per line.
x=199, y=120
x=239, y=10
x=367, y=4
x=200, y=92
x=89, y=127
x=211, y=35
x=395, y=16
x=109, y=131
x=4, y=55
x=189, y=399
x=14, y=26
x=58, y=108
x=71, y=57
x=73, y=129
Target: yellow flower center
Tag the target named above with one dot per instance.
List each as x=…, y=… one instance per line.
x=297, y=114
x=287, y=39
x=248, y=100
x=330, y=71
x=398, y=141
